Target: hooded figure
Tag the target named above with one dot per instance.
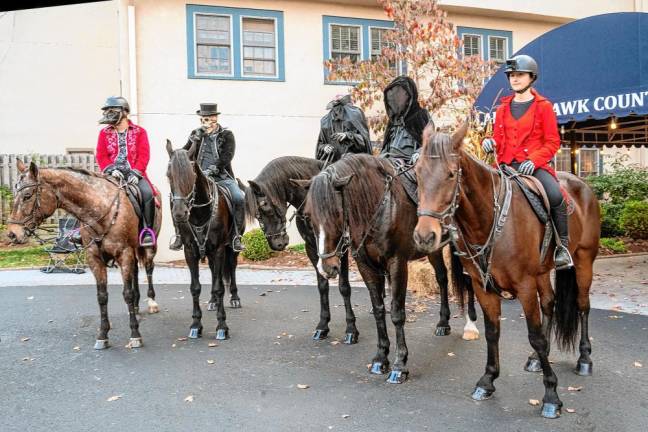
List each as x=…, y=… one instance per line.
x=343, y=130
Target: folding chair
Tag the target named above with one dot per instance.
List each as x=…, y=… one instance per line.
x=67, y=243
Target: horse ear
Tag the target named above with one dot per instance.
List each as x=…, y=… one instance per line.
x=339, y=183
x=459, y=135
x=33, y=169
x=21, y=166
x=169, y=148
x=304, y=184
x=255, y=188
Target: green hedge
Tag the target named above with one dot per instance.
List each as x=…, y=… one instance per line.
x=256, y=246
x=634, y=219
x=615, y=245
x=610, y=226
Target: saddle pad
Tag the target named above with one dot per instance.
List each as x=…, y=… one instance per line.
x=536, y=202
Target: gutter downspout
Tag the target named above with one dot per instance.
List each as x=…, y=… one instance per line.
x=132, y=65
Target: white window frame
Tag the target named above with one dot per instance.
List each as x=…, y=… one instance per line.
x=276, y=47
x=505, y=39
x=399, y=66
x=195, y=36
x=481, y=44
x=360, y=39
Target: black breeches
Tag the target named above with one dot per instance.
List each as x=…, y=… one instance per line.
x=550, y=184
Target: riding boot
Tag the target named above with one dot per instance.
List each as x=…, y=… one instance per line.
x=176, y=240
x=562, y=258
x=239, y=221
x=147, y=237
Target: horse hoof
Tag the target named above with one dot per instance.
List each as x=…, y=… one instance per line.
x=101, y=344
x=533, y=365
x=397, y=377
x=211, y=306
x=583, y=369
x=235, y=304
x=195, y=333
x=481, y=394
x=550, y=410
x=351, y=338
x=378, y=368
x=470, y=335
x=153, y=307
x=320, y=334
x=222, y=334
x=135, y=343
x=442, y=331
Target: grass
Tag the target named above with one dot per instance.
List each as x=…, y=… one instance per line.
x=299, y=248
x=28, y=256
x=614, y=244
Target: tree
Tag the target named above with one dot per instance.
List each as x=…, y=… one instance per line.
x=427, y=43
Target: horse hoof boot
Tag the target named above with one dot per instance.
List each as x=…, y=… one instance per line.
x=583, y=369
x=351, y=338
x=481, y=394
x=533, y=365
x=378, y=368
x=222, y=334
x=397, y=377
x=235, y=304
x=211, y=306
x=135, y=342
x=101, y=344
x=550, y=410
x=442, y=331
x=195, y=333
x=320, y=334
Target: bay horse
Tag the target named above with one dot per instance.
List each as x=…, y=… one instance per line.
x=109, y=231
x=359, y=204
x=267, y=199
x=499, y=238
x=201, y=213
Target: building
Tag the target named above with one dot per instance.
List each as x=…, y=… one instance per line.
x=261, y=60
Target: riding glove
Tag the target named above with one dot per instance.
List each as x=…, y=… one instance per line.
x=488, y=145
x=526, y=168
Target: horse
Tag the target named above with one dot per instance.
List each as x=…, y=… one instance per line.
x=359, y=203
x=201, y=213
x=500, y=238
x=109, y=231
x=267, y=200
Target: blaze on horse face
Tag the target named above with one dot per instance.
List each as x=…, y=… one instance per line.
x=271, y=217
x=437, y=173
x=324, y=209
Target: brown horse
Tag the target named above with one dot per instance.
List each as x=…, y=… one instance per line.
x=359, y=204
x=109, y=230
x=500, y=239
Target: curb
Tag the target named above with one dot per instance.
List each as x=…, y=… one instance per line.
x=629, y=255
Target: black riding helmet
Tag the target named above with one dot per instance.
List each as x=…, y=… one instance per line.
x=114, y=109
x=522, y=63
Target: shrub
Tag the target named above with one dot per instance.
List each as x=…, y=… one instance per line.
x=299, y=248
x=615, y=245
x=624, y=184
x=610, y=226
x=256, y=246
x=634, y=219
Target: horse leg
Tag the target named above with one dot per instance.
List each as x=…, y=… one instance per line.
x=376, y=285
x=471, y=332
x=127, y=263
x=547, y=307
x=230, y=269
x=195, y=331
x=584, y=281
x=216, y=263
x=136, y=288
x=441, y=275
x=492, y=309
x=398, y=285
x=153, y=307
x=352, y=333
x=322, y=329
x=101, y=277
x=529, y=299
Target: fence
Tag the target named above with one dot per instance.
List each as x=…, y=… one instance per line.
x=9, y=175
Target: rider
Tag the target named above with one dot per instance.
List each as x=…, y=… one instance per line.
x=123, y=152
x=526, y=138
x=212, y=146
x=343, y=130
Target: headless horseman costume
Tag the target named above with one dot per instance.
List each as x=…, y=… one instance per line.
x=342, y=118
x=403, y=135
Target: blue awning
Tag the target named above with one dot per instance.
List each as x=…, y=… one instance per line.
x=595, y=67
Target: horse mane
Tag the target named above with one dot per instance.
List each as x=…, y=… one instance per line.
x=180, y=165
x=361, y=195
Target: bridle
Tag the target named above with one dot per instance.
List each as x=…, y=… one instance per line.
x=30, y=222
x=283, y=229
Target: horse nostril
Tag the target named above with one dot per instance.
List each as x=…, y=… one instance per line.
x=11, y=235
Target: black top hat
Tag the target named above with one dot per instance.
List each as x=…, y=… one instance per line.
x=208, y=109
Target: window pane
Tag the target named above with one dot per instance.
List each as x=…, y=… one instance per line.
x=497, y=49
x=345, y=39
x=588, y=162
x=212, y=22
x=563, y=159
x=472, y=45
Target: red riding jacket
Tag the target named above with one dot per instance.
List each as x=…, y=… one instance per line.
x=136, y=143
x=534, y=136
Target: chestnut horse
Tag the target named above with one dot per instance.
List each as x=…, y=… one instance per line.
x=109, y=231
x=500, y=238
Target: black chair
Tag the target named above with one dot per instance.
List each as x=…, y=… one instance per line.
x=66, y=244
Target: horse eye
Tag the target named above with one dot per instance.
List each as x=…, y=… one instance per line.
x=451, y=175
x=27, y=196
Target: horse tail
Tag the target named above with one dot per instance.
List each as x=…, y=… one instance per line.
x=459, y=280
x=566, y=309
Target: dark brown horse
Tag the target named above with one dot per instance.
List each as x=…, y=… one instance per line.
x=497, y=231
x=201, y=213
x=359, y=204
x=109, y=230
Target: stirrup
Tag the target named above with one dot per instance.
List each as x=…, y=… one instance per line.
x=568, y=264
x=172, y=242
x=238, y=239
x=142, y=238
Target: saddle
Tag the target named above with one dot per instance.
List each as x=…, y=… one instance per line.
x=223, y=190
x=407, y=178
x=533, y=191
x=135, y=195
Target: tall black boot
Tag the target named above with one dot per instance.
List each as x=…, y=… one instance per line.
x=562, y=258
x=239, y=226
x=147, y=238
x=176, y=239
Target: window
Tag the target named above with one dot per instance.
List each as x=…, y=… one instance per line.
x=497, y=49
x=563, y=159
x=472, y=45
x=588, y=162
x=234, y=43
x=378, y=42
x=345, y=42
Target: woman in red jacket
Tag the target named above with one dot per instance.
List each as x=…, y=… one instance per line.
x=123, y=152
x=526, y=137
